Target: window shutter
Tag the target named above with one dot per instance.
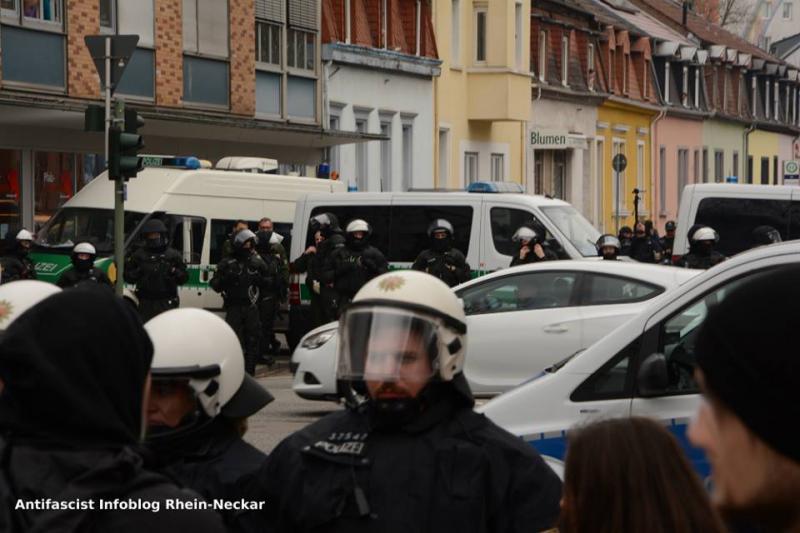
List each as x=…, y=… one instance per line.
x=303, y=14
x=272, y=10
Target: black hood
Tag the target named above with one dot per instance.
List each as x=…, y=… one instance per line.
x=74, y=368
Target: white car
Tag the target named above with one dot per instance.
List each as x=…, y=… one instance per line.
x=643, y=368
x=520, y=320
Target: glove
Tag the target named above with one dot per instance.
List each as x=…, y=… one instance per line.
x=315, y=286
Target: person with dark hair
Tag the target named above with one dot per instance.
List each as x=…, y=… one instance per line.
x=76, y=373
x=765, y=235
x=666, y=242
x=157, y=270
x=625, y=236
x=227, y=246
x=408, y=453
x=702, y=254
x=749, y=374
x=642, y=248
x=530, y=247
x=15, y=264
x=83, y=269
x=443, y=260
x=332, y=238
x=630, y=475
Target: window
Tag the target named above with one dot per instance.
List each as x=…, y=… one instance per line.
x=332, y=152
x=625, y=60
x=613, y=380
x=560, y=174
x=470, y=167
x=268, y=93
x=41, y=10
x=362, y=167
x=765, y=171
x=444, y=156
x=205, y=81
x=538, y=172
x=685, y=87
x=696, y=174
x=542, y=54
x=735, y=218
x=749, y=169
x=697, y=75
x=775, y=171
x=523, y=292
x=107, y=15
x=268, y=43
x=480, y=35
x=735, y=169
x=379, y=217
x=518, y=35
x=455, y=32
x=719, y=166
x=139, y=76
x=205, y=27
x=766, y=10
x=409, y=229
x=386, y=157
x=667, y=82
x=609, y=290
x=408, y=155
x=787, y=10
x=301, y=49
x=498, y=167
x=705, y=165
x=579, y=231
x=640, y=180
x=599, y=170
x=135, y=17
x=618, y=189
x=187, y=236
x=662, y=180
x=505, y=222
x=10, y=191
x=33, y=57
x=57, y=177
x=301, y=95
x=76, y=224
x=565, y=61
x=590, y=67
x=683, y=170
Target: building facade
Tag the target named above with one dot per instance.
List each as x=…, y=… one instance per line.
x=380, y=62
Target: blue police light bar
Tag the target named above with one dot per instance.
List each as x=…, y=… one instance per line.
x=495, y=187
x=187, y=162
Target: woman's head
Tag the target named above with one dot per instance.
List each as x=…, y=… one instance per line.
x=629, y=474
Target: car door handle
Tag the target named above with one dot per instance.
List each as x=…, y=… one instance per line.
x=556, y=328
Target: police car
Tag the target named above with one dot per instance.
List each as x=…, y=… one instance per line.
x=643, y=368
x=520, y=320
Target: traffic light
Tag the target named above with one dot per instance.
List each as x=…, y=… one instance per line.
x=124, y=146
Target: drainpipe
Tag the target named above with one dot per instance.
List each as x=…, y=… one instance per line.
x=746, y=147
x=654, y=151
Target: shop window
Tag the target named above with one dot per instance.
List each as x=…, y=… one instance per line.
x=53, y=183
x=32, y=57
x=386, y=157
x=10, y=191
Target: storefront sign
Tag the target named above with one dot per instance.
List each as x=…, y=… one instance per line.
x=549, y=140
x=791, y=172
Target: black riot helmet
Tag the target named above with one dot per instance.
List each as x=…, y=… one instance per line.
x=154, y=232
x=670, y=225
x=325, y=223
x=440, y=233
x=625, y=230
x=608, y=246
x=764, y=235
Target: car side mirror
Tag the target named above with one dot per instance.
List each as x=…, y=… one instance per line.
x=653, y=377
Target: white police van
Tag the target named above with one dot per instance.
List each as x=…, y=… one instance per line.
x=643, y=368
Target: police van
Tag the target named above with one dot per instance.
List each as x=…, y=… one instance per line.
x=484, y=218
x=734, y=211
x=198, y=205
x=643, y=368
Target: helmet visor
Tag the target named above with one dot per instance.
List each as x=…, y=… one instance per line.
x=382, y=344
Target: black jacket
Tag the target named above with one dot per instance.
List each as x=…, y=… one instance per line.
x=700, y=260
x=531, y=257
x=241, y=279
x=215, y=462
x=350, y=269
x=451, y=469
x=70, y=417
x=16, y=266
x=642, y=250
x=156, y=274
x=449, y=266
x=73, y=277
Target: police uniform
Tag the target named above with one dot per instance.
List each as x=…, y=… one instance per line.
x=274, y=291
x=442, y=260
x=16, y=264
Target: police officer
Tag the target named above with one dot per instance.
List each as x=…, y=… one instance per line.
x=75, y=368
x=765, y=235
x=200, y=399
x=328, y=226
x=412, y=455
x=666, y=242
x=625, y=236
x=157, y=270
x=16, y=264
x=701, y=248
x=266, y=224
x=83, y=269
x=273, y=292
x=530, y=248
x=241, y=278
x=309, y=264
x=442, y=260
x=350, y=266
x=608, y=247
x=227, y=246
x=642, y=248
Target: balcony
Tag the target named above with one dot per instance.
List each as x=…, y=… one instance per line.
x=498, y=95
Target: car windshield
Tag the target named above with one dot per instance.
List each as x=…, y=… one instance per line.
x=72, y=225
x=575, y=228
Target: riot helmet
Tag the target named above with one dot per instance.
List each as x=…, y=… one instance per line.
x=440, y=234
x=526, y=236
x=154, y=233
x=764, y=235
x=244, y=243
x=608, y=246
x=83, y=256
x=325, y=223
x=358, y=234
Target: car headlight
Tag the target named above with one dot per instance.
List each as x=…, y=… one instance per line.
x=318, y=339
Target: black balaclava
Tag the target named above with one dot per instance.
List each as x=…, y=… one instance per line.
x=748, y=360
x=441, y=245
x=263, y=238
x=74, y=368
x=356, y=244
x=82, y=265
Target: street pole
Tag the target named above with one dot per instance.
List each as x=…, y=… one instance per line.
x=618, y=214
x=635, y=207
x=119, y=184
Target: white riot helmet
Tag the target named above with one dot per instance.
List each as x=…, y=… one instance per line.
x=705, y=234
x=402, y=308
x=525, y=233
x=358, y=225
x=84, y=248
x=24, y=235
x=17, y=297
x=197, y=346
x=440, y=224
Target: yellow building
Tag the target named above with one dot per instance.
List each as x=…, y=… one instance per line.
x=482, y=98
x=624, y=127
x=763, y=148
